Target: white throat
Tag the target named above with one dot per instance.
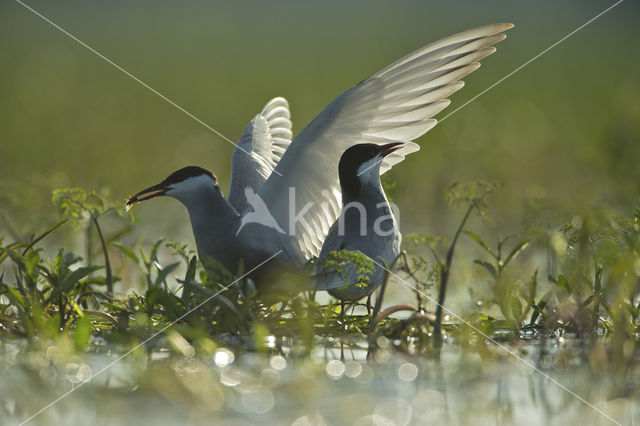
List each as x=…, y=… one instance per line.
x=190, y=189
x=369, y=171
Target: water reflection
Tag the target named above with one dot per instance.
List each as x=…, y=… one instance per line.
x=464, y=387
x=223, y=357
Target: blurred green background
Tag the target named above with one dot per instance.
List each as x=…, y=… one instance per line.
x=564, y=130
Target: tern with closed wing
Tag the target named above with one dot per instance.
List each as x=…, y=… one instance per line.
x=366, y=225
x=298, y=180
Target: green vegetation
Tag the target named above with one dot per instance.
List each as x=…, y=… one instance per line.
x=538, y=277
x=594, y=291
x=65, y=304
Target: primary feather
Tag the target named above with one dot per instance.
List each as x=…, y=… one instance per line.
x=259, y=150
x=395, y=104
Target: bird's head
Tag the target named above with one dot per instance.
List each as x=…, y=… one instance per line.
x=360, y=164
x=184, y=184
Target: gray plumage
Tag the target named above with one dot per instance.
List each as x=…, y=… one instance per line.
x=366, y=225
x=396, y=103
x=214, y=238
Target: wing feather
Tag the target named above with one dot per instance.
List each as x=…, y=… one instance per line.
x=262, y=145
x=395, y=104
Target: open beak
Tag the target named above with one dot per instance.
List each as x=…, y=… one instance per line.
x=390, y=147
x=152, y=192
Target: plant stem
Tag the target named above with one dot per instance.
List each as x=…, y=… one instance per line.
x=597, y=282
x=403, y=255
x=444, y=278
x=43, y=235
x=393, y=309
x=378, y=305
x=107, y=263
x=61, y=311
x=89, y=248
x=373, y=316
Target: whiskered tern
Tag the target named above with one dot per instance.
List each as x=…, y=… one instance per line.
x=366, y=224
x=297, y=180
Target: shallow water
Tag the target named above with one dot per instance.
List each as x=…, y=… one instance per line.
x=161, y=387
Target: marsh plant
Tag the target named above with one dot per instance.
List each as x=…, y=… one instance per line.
x=589, y=287
x=467, y=292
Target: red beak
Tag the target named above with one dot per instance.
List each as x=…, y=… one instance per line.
x=153, y=191
x=391, y=147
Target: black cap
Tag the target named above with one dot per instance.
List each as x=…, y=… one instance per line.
x=354, y=157
x=175, y=177
x=184, y=174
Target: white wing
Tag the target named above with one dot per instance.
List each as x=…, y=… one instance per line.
x=395, y=104
x=261, y=146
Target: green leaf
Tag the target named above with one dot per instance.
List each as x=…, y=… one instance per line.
x=75, y=307
x=214, y=271
x=563, y=283
x=164, y=273
x=533, y=286
x=154, y=252
x=538, y=309
x=74, y=202
x=111, y=306
x=127, y=252
x=16, y=297
x=191, y=270
x=488, y=266
x=343, y=262
x=96, y=204
x=481, y=242
x=82, y=333
x=516, y=251
x=144, y=258
x=472, y=194
x=220, y=299
x=100, y=316
x=4, y=251
x=188, y=278
x=69, y=201
x=70, y=280
x=516, y=309
x=28, y=266
x=587, y=301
